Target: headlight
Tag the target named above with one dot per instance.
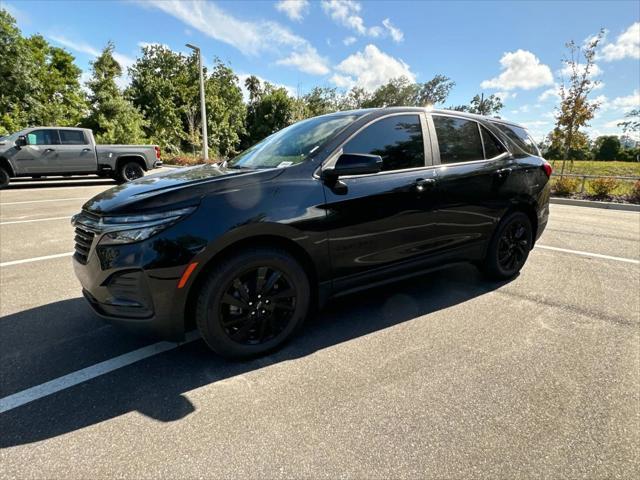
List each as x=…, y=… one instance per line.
x=122, y=229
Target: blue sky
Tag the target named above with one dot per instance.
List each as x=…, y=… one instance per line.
x=513, y=49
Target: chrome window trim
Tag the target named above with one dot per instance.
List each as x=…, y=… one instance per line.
x=333, y=157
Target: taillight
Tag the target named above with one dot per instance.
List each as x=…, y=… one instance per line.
x=547, y=169
x=157, y=152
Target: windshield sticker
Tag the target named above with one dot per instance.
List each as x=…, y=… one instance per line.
x=284, y=164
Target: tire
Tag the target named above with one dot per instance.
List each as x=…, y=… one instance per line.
x=509, y=248
x=236, y=320
x=130, y=171
x=4, y=178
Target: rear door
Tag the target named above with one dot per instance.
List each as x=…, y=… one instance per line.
x=75, y=153
x=40, y=155
x=382, y=221
x=473, y=174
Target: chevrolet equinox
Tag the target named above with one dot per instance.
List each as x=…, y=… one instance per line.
x=243, y=250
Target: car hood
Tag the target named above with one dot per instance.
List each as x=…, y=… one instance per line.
x=180, y=186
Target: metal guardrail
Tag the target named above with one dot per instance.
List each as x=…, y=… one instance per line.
x=585, y=177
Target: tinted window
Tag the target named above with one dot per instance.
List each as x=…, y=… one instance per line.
x=43, y=137
x=492, y=147
x=520, y=137
x=458, y=139
x=72, y=137
x=397, y=139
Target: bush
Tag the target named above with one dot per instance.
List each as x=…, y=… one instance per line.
x=187, y=160
x=603, y=187
x=565, y=186
x=634, y=195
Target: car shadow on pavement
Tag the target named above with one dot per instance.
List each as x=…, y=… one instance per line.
x=155, y=387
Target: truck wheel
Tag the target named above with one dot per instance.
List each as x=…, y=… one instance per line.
x=252, y=303
x=130, y=171
x=4, y=178
x=509, y=247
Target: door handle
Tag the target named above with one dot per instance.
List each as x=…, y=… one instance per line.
x=86, y=149
x=47, y=150
x=423, y=184
x=504, y=172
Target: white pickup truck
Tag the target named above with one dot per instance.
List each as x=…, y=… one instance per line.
x=47, y=151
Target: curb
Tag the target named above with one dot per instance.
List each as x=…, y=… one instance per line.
x=627, y=207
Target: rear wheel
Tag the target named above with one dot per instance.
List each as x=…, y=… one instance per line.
x=252, y=303
x=509, y=247
x=4, y=178
x=130, y=171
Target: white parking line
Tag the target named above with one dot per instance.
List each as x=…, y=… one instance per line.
x=590, y=254
x=42, y=201
x=31, y=221
x=61, y=383
x=35, y=259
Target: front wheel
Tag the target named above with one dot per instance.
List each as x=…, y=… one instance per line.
x=252, y=303
x=4, y=178
x=509, y=247
x=130, y=171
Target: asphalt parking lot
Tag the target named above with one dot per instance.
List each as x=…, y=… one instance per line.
x=441, y=376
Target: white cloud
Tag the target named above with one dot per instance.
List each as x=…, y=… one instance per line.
x=396, y=33
x=251, y=38
x=308, y=61
x=242, y=77
x=294, y=9
x=521, y=69
x=505, y=95
x=593, y=72
x=345, y=12
x=628, y=102
x=349, y=41
x=369, y=69
x=553, y=93
x=144, y=45
x=626, y=45
x=125, y=61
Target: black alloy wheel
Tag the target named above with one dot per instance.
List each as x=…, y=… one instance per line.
x=252, y=302
x=131, y=171
x=4, y=178
x=257, y=306
x=509, y=247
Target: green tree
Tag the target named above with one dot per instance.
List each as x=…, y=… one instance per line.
x=225, y=110
x=321, y=100
x=434, y=92
x=607, y=147
x=273, y=110
x=112, y=117
x=490, y=105
x=576, y=110
x=396, y=92
x=354, y=99
x=39, y=84
x=632, y=125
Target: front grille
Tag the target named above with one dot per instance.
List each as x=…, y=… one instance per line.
x=84, y=240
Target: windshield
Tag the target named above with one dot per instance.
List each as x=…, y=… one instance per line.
x=293, y=144
x=10, y=138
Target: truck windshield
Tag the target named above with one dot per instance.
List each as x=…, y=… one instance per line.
x=293, y=144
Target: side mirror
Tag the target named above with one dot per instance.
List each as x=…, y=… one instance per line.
x=353, y=164
x=21, y=141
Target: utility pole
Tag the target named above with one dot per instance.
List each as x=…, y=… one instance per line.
x=203, y=107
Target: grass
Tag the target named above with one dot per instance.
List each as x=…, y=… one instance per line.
x=592, y=167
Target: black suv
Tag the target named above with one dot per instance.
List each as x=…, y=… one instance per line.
x=243, y=250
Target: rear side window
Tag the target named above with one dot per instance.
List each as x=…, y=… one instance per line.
x=492, y=146
x=397, y=139
x=520, y=137
x=72, y=137
x=458, y=139
x=43, y=137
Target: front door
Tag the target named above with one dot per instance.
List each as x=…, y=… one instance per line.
x=382, y=221
x=40, y=155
